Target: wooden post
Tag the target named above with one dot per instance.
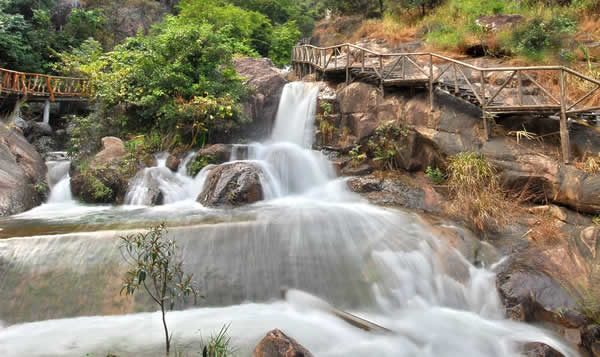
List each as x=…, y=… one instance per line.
x=564, y=129
x=335, y=51
x=483, y=106
x=520, y=86
x=347, y=64
x=363, y=60
x=430, y=83
x=403, y=67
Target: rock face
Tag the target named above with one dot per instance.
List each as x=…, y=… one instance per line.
x=278, y=344
x=22, y=174
x=232, y=185
x=268, y=83
x=499, y=22
x=172, y=163
x=102, y=181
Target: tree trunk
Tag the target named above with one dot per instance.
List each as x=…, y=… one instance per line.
x=381, y=9
x=167, y=339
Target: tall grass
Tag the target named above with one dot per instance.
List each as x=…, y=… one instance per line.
x=476, y=193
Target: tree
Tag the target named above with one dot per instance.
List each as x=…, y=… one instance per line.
x=284, y=38
x=157, y=268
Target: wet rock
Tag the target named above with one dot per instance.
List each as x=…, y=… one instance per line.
x=145, y=187
x=573, y=336
x=103, y=180
x=360, y=170
x=537, y=349
x=98, y=184
x=44, y=145
x=172, y=162
x=365, y=184
x=533, y=295
x=591, y=339
x=278, y=344
x=211, y=155
x=22, y=173
x=267, y=82
x=232, y=185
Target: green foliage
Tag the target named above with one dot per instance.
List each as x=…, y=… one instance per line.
x=284, y=38
x=156, y=267
x=219, y=345
x=87, y=132
x=537, y=36
x=199, y=162
x=435, y=175
x=326, y=108
x=179, y=80
x=357, y=156
x=100, y=192
x=387, y=144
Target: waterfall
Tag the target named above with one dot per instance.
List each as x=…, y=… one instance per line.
x=59, y=181
x=310, y=233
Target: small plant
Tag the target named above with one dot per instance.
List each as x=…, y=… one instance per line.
x=326, y=108
x=219, y=345
x=155, y=266
x=356, y=156
x=435, y=175
x=327, y=130
x=387, y=144
x=41, y=187
x=596, y=220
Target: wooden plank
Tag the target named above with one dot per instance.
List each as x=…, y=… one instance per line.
x=470, y=85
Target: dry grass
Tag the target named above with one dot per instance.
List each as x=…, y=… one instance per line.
x=589, y=163
x=476, y=193
x=545, y=231
x=387, y=29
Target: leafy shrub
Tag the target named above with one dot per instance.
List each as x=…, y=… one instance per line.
x=356, y=156
x=435, y=175
x=537, y=36
x=284, y=38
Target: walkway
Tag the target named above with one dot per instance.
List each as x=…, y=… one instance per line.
x=42, y=87
x=496, y=91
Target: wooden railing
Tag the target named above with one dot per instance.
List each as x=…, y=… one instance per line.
x=41, y=85
x=496, y=90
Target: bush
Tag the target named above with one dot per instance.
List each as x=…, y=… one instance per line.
x=387, y=144
x=537, y=36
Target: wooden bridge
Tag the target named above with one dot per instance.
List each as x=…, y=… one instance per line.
x=41, y=87
x=535, y=90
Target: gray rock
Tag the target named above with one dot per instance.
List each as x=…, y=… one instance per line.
x=232, y=185
x=267, y=82
x=22, y=173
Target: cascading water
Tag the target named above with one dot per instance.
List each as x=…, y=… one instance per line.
x=385, y=265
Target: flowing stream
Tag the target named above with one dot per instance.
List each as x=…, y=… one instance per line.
x=60, y=266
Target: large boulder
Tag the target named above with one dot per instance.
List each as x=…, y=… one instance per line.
x=278, y=344
x=231, y=185
x=267, y=83
x=22, y=174
x=103, y=179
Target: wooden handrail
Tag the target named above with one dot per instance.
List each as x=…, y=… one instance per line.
x=42, y=85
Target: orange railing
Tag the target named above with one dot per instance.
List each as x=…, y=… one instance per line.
x=41, y=85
